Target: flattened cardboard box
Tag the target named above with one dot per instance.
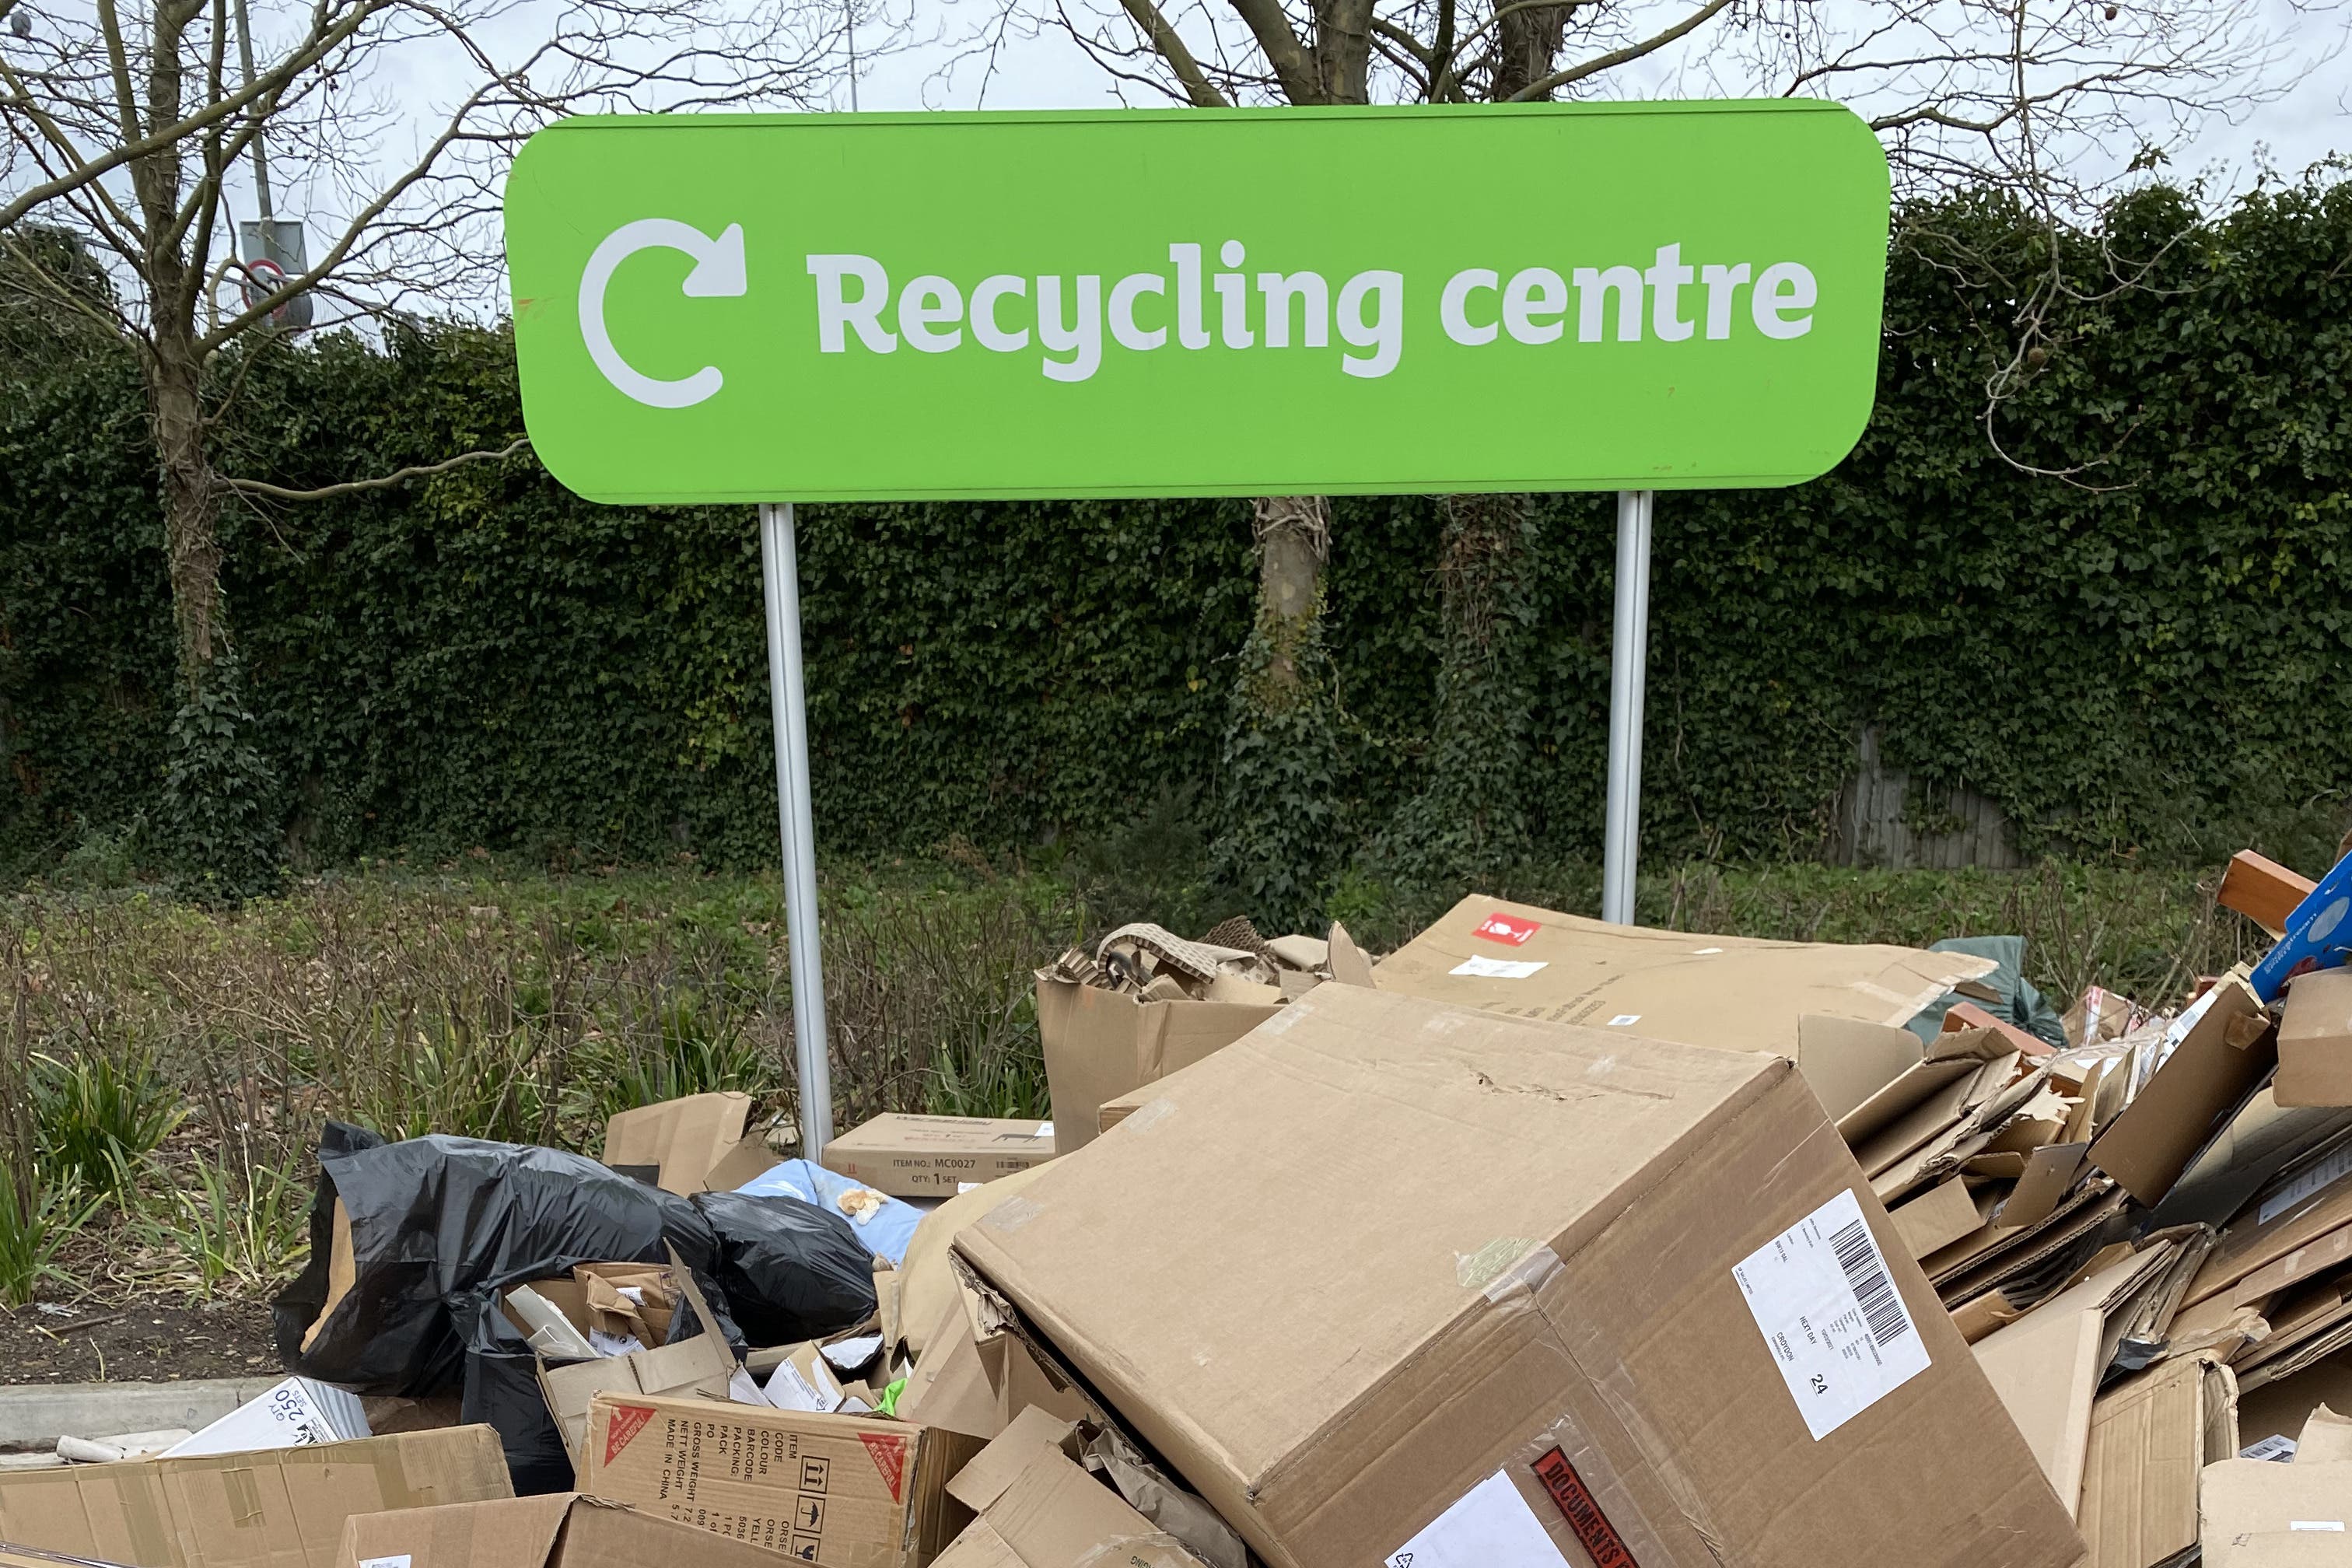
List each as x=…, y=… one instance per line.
x=1100, y=1043
x=841, y=1490
x=2150, y=1436
x=561, y=1530
x=1589, y=1337
x=281, y=1508
x=937, y=1156
x=1734, y=992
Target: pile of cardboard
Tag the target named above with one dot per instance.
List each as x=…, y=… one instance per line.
x=1143, y=1002
x=1540, y=1244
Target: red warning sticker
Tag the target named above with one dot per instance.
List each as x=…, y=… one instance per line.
x=890, y=1457
x=1576, y=1501
x=1509, y=930
x=627, y=1421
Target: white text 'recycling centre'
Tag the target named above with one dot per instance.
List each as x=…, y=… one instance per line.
x=1068, y=321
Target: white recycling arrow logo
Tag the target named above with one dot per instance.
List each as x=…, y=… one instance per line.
x=718, y=273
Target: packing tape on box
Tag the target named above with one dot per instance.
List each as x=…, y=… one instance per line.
x=1581, y=1468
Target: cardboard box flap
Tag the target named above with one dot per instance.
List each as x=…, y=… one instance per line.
x=1847, y=1060
x=1739, y=992
x=685, y=1138
x=1022, y=1443
x=1052, y=1514
x=516, y=1532
x=2045, y=1367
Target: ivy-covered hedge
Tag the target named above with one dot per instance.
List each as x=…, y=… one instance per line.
x=2151, y=653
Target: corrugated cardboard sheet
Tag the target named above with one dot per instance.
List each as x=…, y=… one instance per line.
x=283, y=1508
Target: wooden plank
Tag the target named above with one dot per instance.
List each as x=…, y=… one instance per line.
x=2263, y=890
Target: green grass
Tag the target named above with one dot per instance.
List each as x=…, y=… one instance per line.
x=181, y=1060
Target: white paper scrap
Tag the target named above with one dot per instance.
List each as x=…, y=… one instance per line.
x=1497, y=968
x=1489, y=1526
x=1622, y=1019
x=1045, y=1129
x=851, y=1354
x=607, y=1344
x=1832, y=1316
x=790, y=1389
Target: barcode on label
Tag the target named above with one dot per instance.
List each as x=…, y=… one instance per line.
x=1882, y=1309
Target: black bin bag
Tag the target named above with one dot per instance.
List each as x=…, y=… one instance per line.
x=502, y=1392
x=791, y=1271
x=436, y=1222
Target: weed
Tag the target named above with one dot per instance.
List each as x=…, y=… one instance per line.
x=34, y=1228
x=98, y=1117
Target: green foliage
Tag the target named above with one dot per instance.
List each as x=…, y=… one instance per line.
x=1469, y=823
x=99, y=1115
x=34, y=1228
x=1281, y=824
x=2143, y=657
x=220, y=795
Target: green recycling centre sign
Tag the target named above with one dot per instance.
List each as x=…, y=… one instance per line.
x=716, y=308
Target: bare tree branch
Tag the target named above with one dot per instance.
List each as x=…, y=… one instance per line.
x=383, y=481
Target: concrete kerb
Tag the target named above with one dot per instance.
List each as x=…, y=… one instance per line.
x=35, y=1415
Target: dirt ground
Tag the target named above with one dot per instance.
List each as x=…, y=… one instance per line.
x=136, y=1341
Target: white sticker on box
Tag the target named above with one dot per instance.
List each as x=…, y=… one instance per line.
x=1622, y=1019
x=2318, y=1178
x=399, y=1561
x=2279, y=1449
x=1489, y=1526
x=1497, y=968
x=1832, y=1316
x=2333, y=1524
x=1045, y=1129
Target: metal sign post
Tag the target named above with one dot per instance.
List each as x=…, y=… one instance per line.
x=1629, y=655
x=779, y=574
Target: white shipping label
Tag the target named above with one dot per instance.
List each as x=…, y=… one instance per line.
x=1497, y=968
x=1489, y=1526
x=1831, y=1315
x=399, y=1561
x=2277, y=1449
x=2318, y=1178
x=2330, y=1525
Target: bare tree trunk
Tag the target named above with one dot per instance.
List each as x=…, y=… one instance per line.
x=191, y=510
x=1527, y=45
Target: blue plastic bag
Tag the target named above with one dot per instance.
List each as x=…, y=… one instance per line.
x=886, y=1232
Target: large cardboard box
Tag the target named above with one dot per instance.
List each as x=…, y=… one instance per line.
x=561, y=1530
x=937, y=1156
x=1622, y=1306
x=282, y=1508
x=842, y=1491
x=2315, y=1040
x=1099, y=1044
x=1740, y=993
x=2254, y=1513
